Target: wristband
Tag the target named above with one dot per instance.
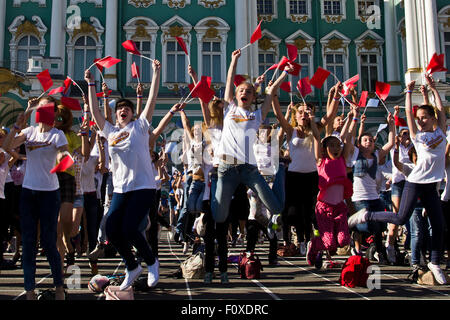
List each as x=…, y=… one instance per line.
x=286, y=71
x=355, y=119
x=140, y=97
x=336, y=98
x=105, y=97
x=409, y=91
x=91, y=84
x=16, y=127
x=171, y=112
x=396, y=151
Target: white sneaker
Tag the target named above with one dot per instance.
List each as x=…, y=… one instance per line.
x=130, y=277
x=302, y=249
x=153, y=274
x=357, y=218
x=390, y=251
x=185, y=248
x=437, y=273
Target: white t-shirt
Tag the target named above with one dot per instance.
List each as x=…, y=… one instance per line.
x=364, y=188
x=215, y=135
x=88, y=173
x=42, y=149
x=446, y=193
x=239, y=133
x=302, y=155
x=157, y=177
x=266, y=158
x=4, y=170
x=384, y=173
x=397, y=175
x=430, y=166
x=130, y=156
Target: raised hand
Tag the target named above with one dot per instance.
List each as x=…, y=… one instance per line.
x=410, y=86
x=88, y=76
x=156, y=65
x=236, y=55
x=139, y=90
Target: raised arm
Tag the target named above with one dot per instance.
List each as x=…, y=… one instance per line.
x=186, y=125
x=153, y=94
x=283, y=120
x=106, y=109
x=204, y=106
x=272, y=91
x=229, y=88
x=286, y=116
x=93, y=102
x=139, y=98
x=424, y=92
x=164, y=123
x=396, y=159
x=333, y=109
x=85, y=143
x=409, y=110
x=441, y=116
x=316, y=134
x=391, y=138
x=329, y=127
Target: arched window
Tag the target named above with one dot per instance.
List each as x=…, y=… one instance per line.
x=85, y=52
x=369, y=49
x=335, y=57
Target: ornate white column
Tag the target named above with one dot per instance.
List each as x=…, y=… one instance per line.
x=392, y=66
x=432, y=34
x=242, y=38
x=2, y=30
x=412, y=50
x=57, y=30
x=111, y=41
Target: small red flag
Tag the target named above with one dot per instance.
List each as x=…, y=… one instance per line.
x=45, y=79
x=107, y=62
x=286, y=86
x=363, y=99
x=319, y=77
x=182, y=44
x=297, y=69
x=436, y=64
x=274, y=66
x=72, y=104
x=400, y=122
x=304, y=87
x=101, y=94
x=65, y=164
x=292, y=52
x=238, y=79
x=131, y=47
x=283, y=63
x=99, y=67
x=203, y=91
x=257, y=34
x=134, y=70
x=349, y=84
x=67, y=84
x=56, y=91
x=382, y=89
x=91, y=123
x=46, y=114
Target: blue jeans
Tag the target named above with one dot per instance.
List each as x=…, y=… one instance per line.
x=39, y=207
x=429, y=198
x=122, y=227
x=231, y=175
x=195, y=196
x=420, y=235
x=181, y=223
x=108, y=198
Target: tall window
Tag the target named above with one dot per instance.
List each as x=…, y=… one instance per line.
x=298, y=7
x=335, y=64
x=332, y=8
x=265, y=6
x=145, y=67
x=85, y=53
x=266, y=60
x=362, y=7
x=211, y=58
x=176, y=63
x=27, y=47
x=369, y=71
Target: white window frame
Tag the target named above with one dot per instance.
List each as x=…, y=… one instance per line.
x=343, y=50
x=376, y=51
x=400, y=27
x=41, y=29
x=186, y=36
x=363, y=19
x=28, y=48
x=267, y=16
x=300, y=18
x=18, y=3
x=70, y=45
x=334, y=18
x=222, y=28
x=151, y=30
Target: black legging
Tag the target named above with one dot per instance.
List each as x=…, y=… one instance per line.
x=253, y=228
x=301, y=193
x=215, y=231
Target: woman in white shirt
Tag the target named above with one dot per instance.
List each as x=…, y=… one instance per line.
x=428, y=137
x=40, y=198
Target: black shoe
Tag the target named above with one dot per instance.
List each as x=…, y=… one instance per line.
x=7, y=265
x=176, y=237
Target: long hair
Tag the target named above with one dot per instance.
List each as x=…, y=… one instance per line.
x=308, y=132
x=66, y=115
x=216, y=113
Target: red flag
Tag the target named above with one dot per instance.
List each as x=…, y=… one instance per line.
x=46, y=114
x=363, y=99
x=257, y=34
x=286, y=86
x=91, y=123
x=101, y=94
x=131, y=47
x=283, y=63
x=56, y=91
x=292, y=52
x=99, y=67
x=319, y=77
x=72, y=104
x=297, y=69
x=238, y=79
x=134, y=70
x=349, y=84
x=182, y=44
x=65, y=164
x=382, y=90
x=67, y=84
x=436, y=64
x=45, y=79
x=203, y=91
x=400, y=122
x=304, y=87
x=274, y=66
x=107, y=62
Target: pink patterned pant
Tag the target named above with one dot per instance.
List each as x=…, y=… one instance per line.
x=333, y=226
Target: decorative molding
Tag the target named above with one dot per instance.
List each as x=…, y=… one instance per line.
x=212, y=4
x=270, y=17
x=176, y=4
x=141, y=3
x=18, y=3
x=369, y=41
x=98, y=3
x=299, y=18
x=335, y=43
x=335, y=18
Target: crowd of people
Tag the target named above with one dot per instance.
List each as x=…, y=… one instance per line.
x=317, y=185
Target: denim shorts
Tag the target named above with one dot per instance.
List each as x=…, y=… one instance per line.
x=397, y=189
x=78, y=202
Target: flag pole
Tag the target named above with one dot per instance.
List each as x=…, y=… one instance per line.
x=82, y=92
x=246, y=46
x=382, y=102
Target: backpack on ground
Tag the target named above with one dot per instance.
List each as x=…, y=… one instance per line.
x=354, y=272
x=287, y=251
x=194, y=266
x=114, y=293
x=250, y=266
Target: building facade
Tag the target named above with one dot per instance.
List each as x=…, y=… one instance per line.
x=385, y=40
